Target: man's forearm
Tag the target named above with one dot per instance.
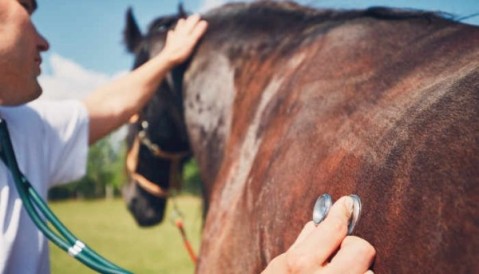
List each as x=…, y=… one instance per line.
x=112, y=105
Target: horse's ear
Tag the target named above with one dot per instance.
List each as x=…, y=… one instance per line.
x=132, y=33
x=181, y=11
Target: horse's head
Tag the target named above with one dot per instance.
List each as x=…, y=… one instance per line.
x=157, y=139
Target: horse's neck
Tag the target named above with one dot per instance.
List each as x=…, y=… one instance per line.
x=209, y=95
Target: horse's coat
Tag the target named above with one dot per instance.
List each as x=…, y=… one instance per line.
x=283, y=103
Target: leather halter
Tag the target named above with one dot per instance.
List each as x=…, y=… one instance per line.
x=174, y=157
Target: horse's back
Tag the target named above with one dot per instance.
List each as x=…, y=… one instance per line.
x=386, y=109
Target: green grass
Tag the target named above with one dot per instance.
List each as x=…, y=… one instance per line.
x=107, y=227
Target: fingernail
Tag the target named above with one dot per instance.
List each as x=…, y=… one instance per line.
x=355, y=213
x=349, y=204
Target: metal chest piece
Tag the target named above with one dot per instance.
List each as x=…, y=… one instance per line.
x=323, y=205
x=321, y=208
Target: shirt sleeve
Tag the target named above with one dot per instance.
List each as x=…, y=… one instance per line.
x=66, y=139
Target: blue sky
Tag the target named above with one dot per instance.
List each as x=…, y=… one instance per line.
x=86, y=35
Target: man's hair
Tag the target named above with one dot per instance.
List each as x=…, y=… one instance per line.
x=34, y=5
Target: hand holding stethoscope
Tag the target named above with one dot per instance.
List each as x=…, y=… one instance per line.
x=324, y=246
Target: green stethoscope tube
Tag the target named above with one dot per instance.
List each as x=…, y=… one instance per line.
x=32, y=201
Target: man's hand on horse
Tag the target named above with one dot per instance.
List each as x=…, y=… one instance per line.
x=183, y=38
x=326, y=248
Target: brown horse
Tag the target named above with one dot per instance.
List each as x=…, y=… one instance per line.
x=282, y=103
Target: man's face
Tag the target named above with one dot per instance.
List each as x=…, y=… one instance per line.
x=20, y=47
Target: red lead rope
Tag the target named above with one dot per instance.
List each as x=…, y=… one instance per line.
x=189, y=248
x=177, y=219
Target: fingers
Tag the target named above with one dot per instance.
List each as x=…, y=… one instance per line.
x=328, y=235
x=277, y=266
x=181, y=41
x=307, y=229
x=317, y=244
x=191, y=26
x=199, y=29
x=191, y=22
x=180, y=24
x=354, y=256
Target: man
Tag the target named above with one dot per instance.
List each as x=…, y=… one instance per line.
x=50, y=140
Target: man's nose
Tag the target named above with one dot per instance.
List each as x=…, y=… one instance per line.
x=43, y=44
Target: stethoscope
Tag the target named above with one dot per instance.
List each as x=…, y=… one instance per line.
x=324, y=203
x=35, y=205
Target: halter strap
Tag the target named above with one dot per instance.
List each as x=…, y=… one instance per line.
x=142, y=181
x=157, y=151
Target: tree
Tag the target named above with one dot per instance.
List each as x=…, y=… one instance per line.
x=105, y=173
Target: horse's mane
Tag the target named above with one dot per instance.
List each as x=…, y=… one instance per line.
x=265, y=25
x=289, y=10
x=292, y=12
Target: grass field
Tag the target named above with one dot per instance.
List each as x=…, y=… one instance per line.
x=107, y=227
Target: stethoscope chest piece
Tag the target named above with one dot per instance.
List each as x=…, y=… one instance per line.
x=321, y=208
x=323, y=205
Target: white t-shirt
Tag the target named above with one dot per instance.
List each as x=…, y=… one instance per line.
x=50, y=140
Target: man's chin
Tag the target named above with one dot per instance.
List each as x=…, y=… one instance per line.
x=37, y=92
x=21, y=100
x=20, y=94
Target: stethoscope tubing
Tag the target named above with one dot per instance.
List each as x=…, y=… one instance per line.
x=33, y=201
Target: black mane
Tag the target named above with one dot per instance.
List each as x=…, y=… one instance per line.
x=291, y=11
x=271, y=19
x=261, y=26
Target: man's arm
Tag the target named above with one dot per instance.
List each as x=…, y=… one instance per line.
x=112, y=105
